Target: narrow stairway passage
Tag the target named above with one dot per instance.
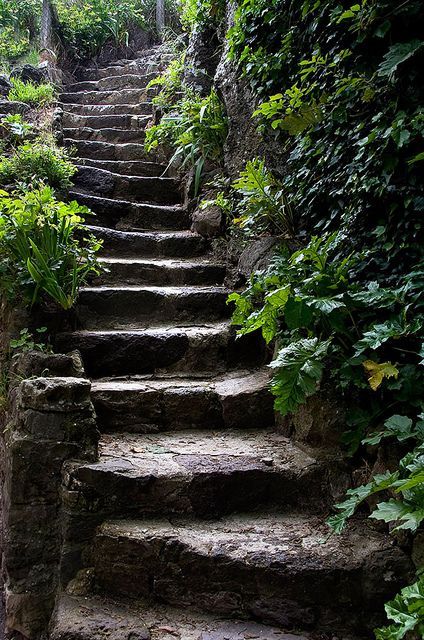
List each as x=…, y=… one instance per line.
x=199, y=517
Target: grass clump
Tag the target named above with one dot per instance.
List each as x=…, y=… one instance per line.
x=37, y=162
x=33, y=94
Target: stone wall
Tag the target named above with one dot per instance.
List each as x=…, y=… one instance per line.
x=49, y=420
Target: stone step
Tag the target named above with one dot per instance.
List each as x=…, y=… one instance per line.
x=138, y=109
x=276, y=568
x=135, y=67
x=238, y=400
x=110, y=185
x=105, y=121
x=154, y=244
x=180, y=349
x=197, y=472
x=122, y=96
x=109, y=307
x=112, y=83
x=133, y=216
x=131, y=167
x=107, y=150
x=160, y=272
x=124, y=215
x=104, y=135
x=97, y=618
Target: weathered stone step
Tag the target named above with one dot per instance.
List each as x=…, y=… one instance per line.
x=115, y=306
x=140, y=109
x=96, y=618
x=112, y=83
x=104, y=135
x=107, y=150
x=105, y=121
x=137, y=67
x=194, y=472
x=239, y=400
x=160, y=272
x=130, y=167
x=211, y=347
x=275, y=568
x=122, y=96
x=115, y=185
x=155, y=244
x=133, y=216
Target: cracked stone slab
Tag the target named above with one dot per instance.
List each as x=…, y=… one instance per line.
x=199, y=472
x=239, y=399
x=280, y=569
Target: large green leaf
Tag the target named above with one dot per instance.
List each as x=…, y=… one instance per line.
x=298, y=370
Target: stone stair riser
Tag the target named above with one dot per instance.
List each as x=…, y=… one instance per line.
x=124, y=353
x=153, y=410
x=111, y=185
x=101, y=150
x=133, y=273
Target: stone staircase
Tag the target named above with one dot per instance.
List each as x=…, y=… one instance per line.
x=199, y=521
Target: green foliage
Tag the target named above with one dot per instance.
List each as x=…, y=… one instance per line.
x=18, y=25
x=170, y=82
x=195, y=130
x=262, y=204
x=15, y=129
x=407, y=612
x=372, y=334
x=341, y=89
x=86, y=25
x=199, y=13
x=40, y=249
x=27, y=341
x=36, y=95
x=32, y=163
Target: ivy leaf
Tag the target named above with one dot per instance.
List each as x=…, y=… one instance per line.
x=400, y=427
x=299, y=369
x=376, y=372
x=397, y=54
x=297, y=314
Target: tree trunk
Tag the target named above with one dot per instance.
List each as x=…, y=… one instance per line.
x=160, y=15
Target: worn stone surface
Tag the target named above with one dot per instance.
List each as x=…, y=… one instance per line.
x=208, y=222
x=275, y=567
x=40, y=364
x=153, y=403
x=113, y=185
x=50, y=420
x=29, y=73
x=257, y=255
x=208, y=347
x=192, y=472
x=162, y=272
x=166, y=244
x=10, y=106
x=86, y=618
x=318, y=423
x=115, y=306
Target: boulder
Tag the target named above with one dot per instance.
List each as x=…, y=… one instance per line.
x=8, y=106
x=208, y=222
x=29, y=73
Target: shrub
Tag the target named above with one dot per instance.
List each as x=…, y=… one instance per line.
x=196, y=130
x=86, y=25
x=40, y=250
x=33, y=94
x=15, y=129
x=18, y=26
x=32, y=163
x=170, y=82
